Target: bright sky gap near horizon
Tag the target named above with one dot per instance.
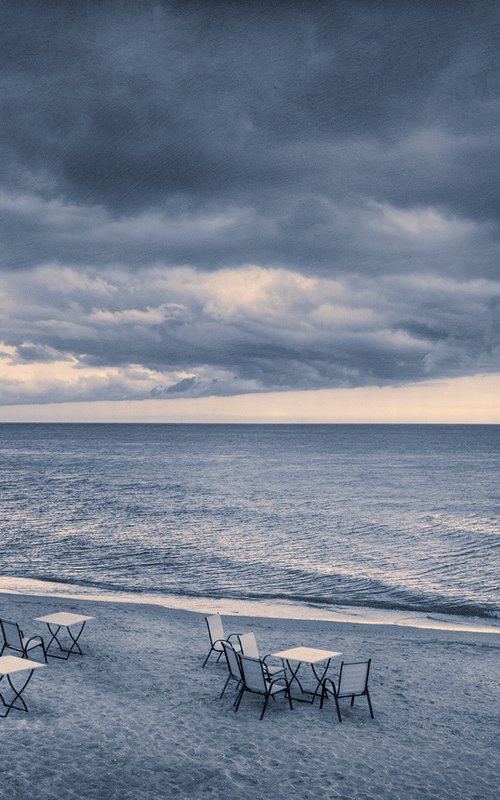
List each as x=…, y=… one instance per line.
x=241, y=212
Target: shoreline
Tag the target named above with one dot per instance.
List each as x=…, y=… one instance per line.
x=256, y=608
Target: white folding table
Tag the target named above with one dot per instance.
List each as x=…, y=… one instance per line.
x=64, y=619
x=10, y=665
x=307, y=655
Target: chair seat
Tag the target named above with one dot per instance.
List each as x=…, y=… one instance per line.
x=34, y=639
x=277, y=687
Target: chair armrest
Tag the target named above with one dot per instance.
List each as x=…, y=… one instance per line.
x=231, y=635
x=275, y=668
x=32, y=639
x=216, y=641
x=272, y=676
x=333, y=690
x=270, y=655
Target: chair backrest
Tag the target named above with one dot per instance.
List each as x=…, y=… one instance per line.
x=233, y=664
x=248, y=644
x=215, y=627
x=11, y=634
x=252, y=673
x=353, y=678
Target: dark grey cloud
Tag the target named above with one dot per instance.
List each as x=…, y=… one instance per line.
x=348, y=142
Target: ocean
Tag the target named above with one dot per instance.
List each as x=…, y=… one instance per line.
x=400, y=517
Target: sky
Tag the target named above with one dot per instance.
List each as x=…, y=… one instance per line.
x=250, y=211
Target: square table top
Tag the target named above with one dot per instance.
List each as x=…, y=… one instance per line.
x=9, y=664
x=64, y=618
x=310, y=655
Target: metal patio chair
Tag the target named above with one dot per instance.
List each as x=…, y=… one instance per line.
x=255, y=680
x=233, y=667
x=353, y=682
x=249, y=647
x=217, y=636
x=14, y=639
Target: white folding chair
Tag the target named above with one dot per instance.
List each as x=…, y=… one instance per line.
x=14, y=639
x=255, y=680
x=217, y=636
x=249, y=647
x=353, y=682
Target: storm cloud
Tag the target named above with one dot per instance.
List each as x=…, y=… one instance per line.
x=217, y=198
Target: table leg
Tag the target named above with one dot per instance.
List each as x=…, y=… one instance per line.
x=17, y=695
x=320, y=678
x=53, y=637
x=75, y=647
x=293, y=673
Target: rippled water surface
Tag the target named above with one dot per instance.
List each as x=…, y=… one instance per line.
x=374, y=515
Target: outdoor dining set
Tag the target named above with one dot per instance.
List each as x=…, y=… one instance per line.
x=64, y=631
x=248, y=671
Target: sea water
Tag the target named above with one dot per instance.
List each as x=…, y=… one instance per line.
x=394, y=517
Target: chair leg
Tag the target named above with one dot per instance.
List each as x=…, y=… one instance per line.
x=219, y=657
x=264, y=706
x=323, y=697
x=3, y=648
x=209, y=654
x=352, y=701
x=42, y=645
x=289, y=693
x=338, y=707
x=225, y=686
x=369, y=704
x=238, y=699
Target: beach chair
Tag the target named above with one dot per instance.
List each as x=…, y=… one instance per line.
x=14, y=639
x=353, y=682
x=233, y=666
x=255, y=680
x=248, y=646
x=217, y=636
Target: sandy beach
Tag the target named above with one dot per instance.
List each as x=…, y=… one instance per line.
x=137, y=717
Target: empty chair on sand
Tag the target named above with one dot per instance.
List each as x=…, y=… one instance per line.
x=255, y=680
x=217, y=636
x=353, y=682
x=248, y=645
x=14, y=639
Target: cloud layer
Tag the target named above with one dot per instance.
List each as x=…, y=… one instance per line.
x=210, y=199
x=164, y=331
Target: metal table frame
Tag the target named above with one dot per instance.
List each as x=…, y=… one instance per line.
x=10, y=665
x=307, y=655
x=65, y=620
